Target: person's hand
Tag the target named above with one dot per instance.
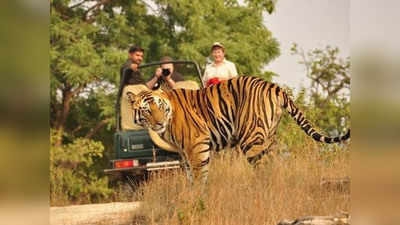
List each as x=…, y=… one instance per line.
x=158, y=72
x=169, y=77
x=134, y=66
x=169, y=81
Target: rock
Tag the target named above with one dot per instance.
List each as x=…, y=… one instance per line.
x=342, y=219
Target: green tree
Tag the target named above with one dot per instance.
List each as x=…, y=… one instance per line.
x=330, y=86
x=327, y=101
x=73, y=172
x=329, y=74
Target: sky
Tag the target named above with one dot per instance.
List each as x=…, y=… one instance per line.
x=311, y=24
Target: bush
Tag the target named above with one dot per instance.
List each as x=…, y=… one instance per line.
x=74, y=176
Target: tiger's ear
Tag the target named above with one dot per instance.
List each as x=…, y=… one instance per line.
x=131, y=96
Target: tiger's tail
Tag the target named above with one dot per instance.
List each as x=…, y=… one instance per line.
x=305, y=125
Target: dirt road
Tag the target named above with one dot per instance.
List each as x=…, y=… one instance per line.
x=110, y=213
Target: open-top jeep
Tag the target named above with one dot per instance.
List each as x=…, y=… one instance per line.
x=138, y=150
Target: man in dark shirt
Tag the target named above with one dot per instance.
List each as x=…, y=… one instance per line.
x=168, y=79
x=129, y=73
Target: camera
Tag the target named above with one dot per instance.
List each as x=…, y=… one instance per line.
x=165, y=72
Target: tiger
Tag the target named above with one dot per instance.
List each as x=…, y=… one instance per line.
x=240, y=113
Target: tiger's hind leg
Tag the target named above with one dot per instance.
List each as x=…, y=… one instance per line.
x=254, y=153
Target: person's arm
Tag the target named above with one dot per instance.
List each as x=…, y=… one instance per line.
x=152, y=82
x=169, y=81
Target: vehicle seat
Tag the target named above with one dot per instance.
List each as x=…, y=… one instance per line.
x=187, y=84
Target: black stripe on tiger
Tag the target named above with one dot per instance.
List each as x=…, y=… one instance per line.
x=271, y=103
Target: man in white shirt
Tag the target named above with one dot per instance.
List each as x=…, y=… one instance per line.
x=219, y=70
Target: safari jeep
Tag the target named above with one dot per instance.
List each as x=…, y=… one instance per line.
x=137, y=150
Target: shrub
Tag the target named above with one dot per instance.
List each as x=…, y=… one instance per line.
x=74, y=176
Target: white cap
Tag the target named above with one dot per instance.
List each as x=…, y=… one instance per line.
x=217, y=44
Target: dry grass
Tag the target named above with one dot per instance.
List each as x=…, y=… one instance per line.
x=237, y=193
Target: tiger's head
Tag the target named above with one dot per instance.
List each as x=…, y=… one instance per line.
x=150, y=110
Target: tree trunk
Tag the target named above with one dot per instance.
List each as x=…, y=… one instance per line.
x=63, y=112
x=94, y=130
